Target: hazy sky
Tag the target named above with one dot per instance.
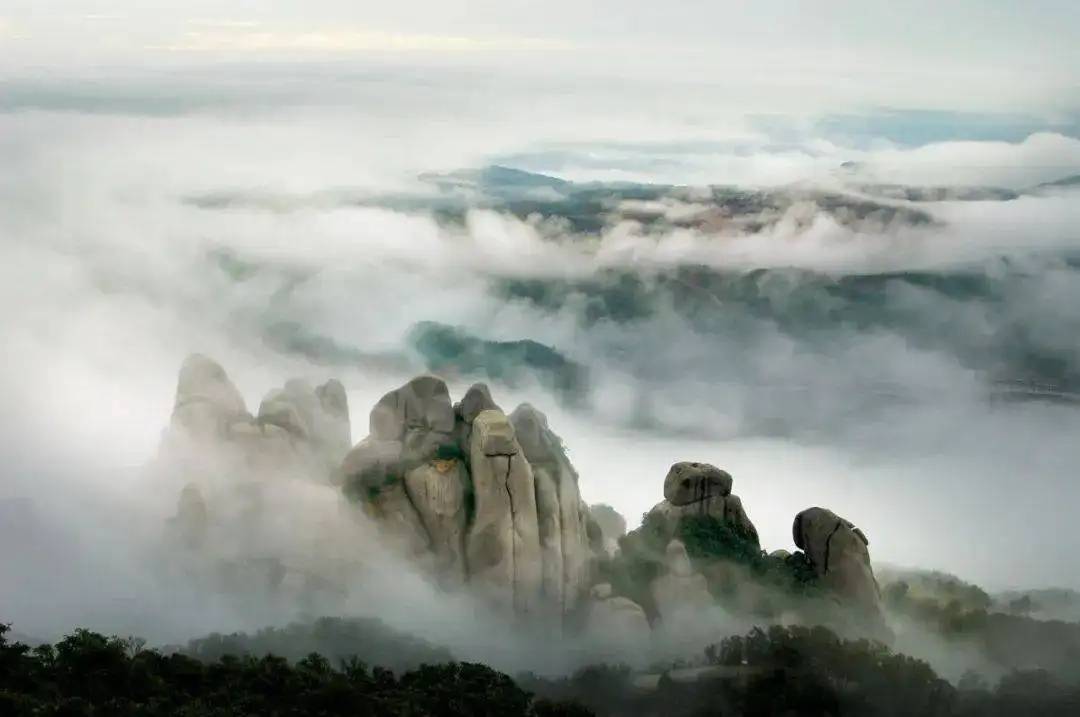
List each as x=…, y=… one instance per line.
x=973, y=54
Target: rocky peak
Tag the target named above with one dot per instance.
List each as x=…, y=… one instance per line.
x=480, y=497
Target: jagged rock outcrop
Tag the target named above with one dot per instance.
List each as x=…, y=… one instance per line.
x=486, y=499
x=256, y=507
x=702, y=489
x=680, y=590
x=207, y=402
x=299, y=428
x=839, y=555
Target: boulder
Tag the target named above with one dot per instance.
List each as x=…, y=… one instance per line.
x=421, y=404
x=477, y=398
x=688, y=483
x=614, y=616
x=369, y=465
x=702, y=489
x=839, y=555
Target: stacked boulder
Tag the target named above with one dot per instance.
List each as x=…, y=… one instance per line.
x=700, y=489
x=838, y=553
x=484, y=498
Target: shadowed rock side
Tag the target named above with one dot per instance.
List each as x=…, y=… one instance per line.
x=479, y=497
x=838, y=553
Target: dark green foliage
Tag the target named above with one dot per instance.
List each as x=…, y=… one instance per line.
x=89, y=674
x=368, y=483
x=708, y=540
x=1010, y=641
x=813, y=671
x=807, y=671
x=449, y=452
x=774, y=671
x=446, y=348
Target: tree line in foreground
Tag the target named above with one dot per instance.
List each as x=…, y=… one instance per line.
x=775, y=671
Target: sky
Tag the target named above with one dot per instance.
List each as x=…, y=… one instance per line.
x=968, y=54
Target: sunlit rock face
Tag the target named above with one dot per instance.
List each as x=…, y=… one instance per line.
x=479, y=497
x=702, y=489
x=839, y=555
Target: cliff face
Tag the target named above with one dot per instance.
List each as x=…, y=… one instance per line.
x=483, y=498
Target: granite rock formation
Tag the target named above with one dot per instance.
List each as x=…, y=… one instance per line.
x=692, y=489
x=839, y=555
x=478, y=496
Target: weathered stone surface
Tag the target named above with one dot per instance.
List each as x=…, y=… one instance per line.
x=477, y=399
x=688, y=483
x=206, y=400
x=702, y=489
x=373, y=470
x=437, y=491
x=392, y=507
x=546, y=454
x=837, y=551
x=423, y=403
x=728, y=509
x=680, y=589
x=494, y=434
x=503, y=543
x=550, y=529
